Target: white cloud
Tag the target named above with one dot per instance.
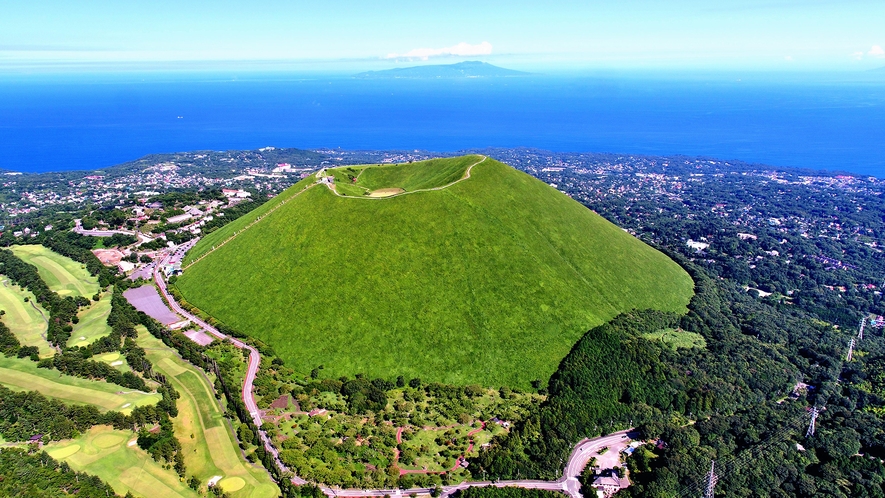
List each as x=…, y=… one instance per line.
x=462, y=49
x=876, y=51
x=857, y=56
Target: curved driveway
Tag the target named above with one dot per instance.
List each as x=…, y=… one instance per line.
x=568, y=483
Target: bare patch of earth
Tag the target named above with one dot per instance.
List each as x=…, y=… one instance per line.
x=385, y=192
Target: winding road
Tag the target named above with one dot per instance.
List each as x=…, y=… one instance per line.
x=567, y=483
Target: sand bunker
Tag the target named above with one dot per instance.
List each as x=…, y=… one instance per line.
x=107, y=440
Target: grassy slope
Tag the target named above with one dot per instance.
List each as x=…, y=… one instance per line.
x=105, y=452
x=63, y=275
x=93, y=322
x=491, y=280
x=409, y=177
x=213, y=450
x=24, y=319
x=23, y=375
x=221, y=234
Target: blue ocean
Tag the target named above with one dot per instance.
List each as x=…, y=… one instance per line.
x=66, y=122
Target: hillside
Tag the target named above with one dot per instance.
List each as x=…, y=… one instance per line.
x=466, y=69
x=490, y=279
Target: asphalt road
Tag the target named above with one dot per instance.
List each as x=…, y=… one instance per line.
x=568, y=483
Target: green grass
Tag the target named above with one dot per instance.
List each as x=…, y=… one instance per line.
x=213, y=450
x=24, y=319
x=489, y=281
x=218, y=236
x=23, y=375
x=106, y=453
x=677, y=338
x=411, y=176
x=93, y=322
x=63, y=275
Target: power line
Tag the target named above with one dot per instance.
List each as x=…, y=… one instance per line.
x=810, y=431
x=710, y=490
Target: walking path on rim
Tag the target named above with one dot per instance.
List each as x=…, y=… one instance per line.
x=332, y=189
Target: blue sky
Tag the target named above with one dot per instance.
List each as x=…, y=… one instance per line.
x=343, y=34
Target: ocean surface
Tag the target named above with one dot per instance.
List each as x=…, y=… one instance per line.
x=65, y=122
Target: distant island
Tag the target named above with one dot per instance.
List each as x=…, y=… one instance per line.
x=467, y=69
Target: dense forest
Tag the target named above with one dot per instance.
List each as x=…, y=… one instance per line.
x=731, y=401
x=37, y=475
x=506, y=492
x=789, y=257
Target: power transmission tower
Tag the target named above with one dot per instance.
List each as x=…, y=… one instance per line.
x=850, y=350
x=810, y=431
x=863, y=323
x=709, y=491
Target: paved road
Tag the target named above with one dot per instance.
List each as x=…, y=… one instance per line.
x=568, y=483
x=78, y=228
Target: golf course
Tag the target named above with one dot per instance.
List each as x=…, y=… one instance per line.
x=211, y=451
x=93, y=322
x=209, y=447
x=21, y=374
x=63, y=275
x=27, y=320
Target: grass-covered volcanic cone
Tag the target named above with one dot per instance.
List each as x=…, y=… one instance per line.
x=458, y=270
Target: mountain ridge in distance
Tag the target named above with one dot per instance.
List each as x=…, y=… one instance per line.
x=466, y=69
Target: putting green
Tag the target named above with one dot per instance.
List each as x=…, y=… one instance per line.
x=108, y=440
x=63, y=452
x=231, y=484
x=24, y=319
x=63, y=275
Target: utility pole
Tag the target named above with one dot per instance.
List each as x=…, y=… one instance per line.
x=810, y=431
x=709, y=491
x=850, y=350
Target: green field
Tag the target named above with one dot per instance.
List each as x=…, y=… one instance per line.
x=361, y=180
x=63, y=275
x=23, y=375
x=109, y=454
x=209, y=448
x=93, y=322
x=677, y=338
x=24, y=319
x=490, y=280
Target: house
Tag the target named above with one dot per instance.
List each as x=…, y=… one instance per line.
x=607, y=485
